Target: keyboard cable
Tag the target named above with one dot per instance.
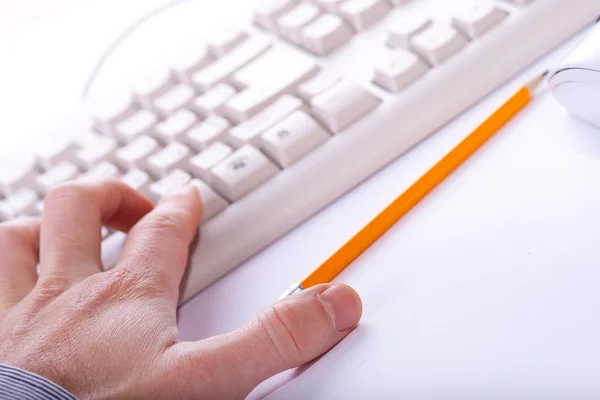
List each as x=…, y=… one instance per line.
x=105, y=56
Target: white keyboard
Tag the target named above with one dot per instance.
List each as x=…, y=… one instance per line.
x=273, y=122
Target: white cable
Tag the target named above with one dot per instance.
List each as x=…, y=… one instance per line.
x=122, y=37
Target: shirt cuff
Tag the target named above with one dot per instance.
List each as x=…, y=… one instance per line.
x=17, y=384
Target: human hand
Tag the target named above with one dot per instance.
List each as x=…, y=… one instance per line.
x=113, y=334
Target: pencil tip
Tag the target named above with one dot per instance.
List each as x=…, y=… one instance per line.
x=533, y=84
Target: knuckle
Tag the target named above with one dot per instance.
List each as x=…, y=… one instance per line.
x=16, y=231
x=50, y=287
x=277, y=325
x=98, y=291
x=131, y=280
x=167, y=224
x=71, y=191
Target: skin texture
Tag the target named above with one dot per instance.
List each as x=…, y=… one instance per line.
x=113, y=334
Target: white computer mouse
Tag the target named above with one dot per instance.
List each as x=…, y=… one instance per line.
x=576, y=82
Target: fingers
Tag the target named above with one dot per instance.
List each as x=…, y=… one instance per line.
x=73, y=218
x=19, y=248
x=156, y=251
x=290, y=333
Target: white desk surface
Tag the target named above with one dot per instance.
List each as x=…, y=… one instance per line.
x=488, y=289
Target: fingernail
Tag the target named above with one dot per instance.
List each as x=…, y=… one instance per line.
x=343, y=305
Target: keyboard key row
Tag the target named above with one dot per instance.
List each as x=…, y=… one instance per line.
x=419, y=43
x=275, y=73
x=17, y=204
x=62, y=172
x=238, y=60
x=234, y=160
x=223, y=68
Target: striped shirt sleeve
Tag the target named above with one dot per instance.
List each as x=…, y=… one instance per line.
x=17, y=384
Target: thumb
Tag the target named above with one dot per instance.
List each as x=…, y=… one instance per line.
x=288, y=334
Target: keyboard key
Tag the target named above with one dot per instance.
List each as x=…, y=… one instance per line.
x=176, y=126
x=110, y=110
x=48, y=157
x=242, y=172
x=140, y=123
x=266, y=15
x=102, y=171
x=293, y=138
x=405, y=27
x=277, y=65
x=325, y=34
x=223, y=68
x=190, y=58
x=362, y=14
x=172, y=182
x=213, y=101
x=438, y=43
x=223, y=42
x=62, y=172
x=478, y=18
x=401, y=70
x=175, y=155
x=211, y=130
x=286, y=71
x=39, y=206
x=96, y=148
x=138, y=180
x=12, y=179
x=200, y=165
x=342, y=105
x=176, y=98
x=147, y=87
x=329, y=5
x=290, y=24
x=212, y=203
x=249, y=131
x=34, y=210
x=17, y=203
x=317, y=85
x=134, y=155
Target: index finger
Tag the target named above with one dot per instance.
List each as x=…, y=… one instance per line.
x=72, y=222
x=157, y=247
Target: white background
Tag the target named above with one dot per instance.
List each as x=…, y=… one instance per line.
x=488, y=289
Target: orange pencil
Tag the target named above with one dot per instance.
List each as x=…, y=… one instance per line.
x=417, y=192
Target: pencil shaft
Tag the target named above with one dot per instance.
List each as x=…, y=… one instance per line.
x=403, y=204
